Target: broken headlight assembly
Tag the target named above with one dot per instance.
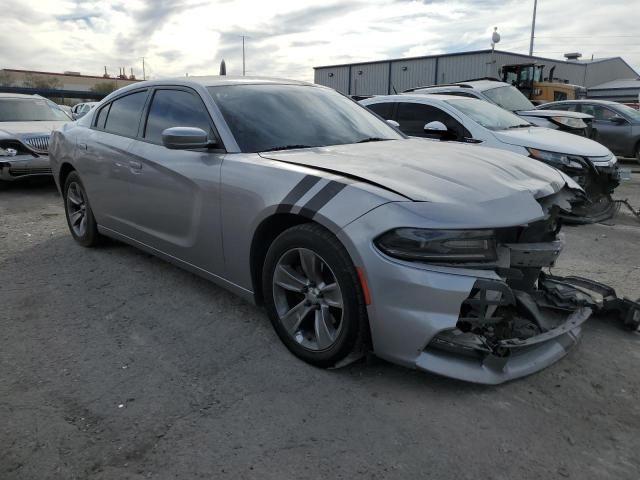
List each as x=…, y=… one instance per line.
x=440, y=246
x=555, y=159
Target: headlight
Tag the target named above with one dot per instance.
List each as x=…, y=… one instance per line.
x=570, y=122
x=439, y=245
x=556, y=159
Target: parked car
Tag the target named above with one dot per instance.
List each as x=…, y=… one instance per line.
x=615, y=125
x=26, y=122
x=350, y=233
x=454, y=118
x=81, y=109
x=510, y=98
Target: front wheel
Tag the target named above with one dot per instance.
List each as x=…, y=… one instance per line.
x=80, y=219
x=313, y=296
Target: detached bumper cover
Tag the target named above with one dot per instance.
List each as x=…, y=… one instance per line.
x=503, y=334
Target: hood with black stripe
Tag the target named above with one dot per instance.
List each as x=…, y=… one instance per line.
x=431, y=171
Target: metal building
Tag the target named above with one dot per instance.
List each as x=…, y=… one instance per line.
x=623, y=90
x=388, y=76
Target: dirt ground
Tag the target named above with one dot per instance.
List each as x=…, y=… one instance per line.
x=117, y=365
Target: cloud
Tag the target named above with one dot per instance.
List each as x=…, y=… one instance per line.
x=289, y=37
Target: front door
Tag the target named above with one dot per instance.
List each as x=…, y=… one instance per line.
x=611, y=134
x=174, y=194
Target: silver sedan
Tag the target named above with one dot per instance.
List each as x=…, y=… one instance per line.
x=352, y=235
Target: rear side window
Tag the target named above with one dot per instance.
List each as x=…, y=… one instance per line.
x=598, y=111
x=124, y=116
x=175, y=108
x=102, y=116
x=412, y=118
x=385, y=110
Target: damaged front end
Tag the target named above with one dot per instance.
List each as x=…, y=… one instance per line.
x=598, y=179
x=525, y=319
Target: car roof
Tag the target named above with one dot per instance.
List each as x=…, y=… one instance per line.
x=419, y=97
x=481, y=85
x=17, y=95
x=218, y=80
x=586, y=100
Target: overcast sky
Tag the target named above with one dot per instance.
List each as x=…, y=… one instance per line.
x=287, y=38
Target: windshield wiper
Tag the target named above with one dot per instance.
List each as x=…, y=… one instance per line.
x=286, y=147
x=373, y=139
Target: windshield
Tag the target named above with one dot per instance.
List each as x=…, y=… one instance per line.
x=509, y=98
x=629, y=112
x=29, y=110
x=274, y=117
x=487, y=114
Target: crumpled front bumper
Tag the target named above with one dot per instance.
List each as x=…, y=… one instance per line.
x=20, y=166
x=598, y=182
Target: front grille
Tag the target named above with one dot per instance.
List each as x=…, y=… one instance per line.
x=39, y=143
x=19, y=172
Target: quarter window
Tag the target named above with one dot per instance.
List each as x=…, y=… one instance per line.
x=175, y=108
x=102, y=116
x=124, y=116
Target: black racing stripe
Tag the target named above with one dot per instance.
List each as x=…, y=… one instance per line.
x=321, y=198
x=297, y=193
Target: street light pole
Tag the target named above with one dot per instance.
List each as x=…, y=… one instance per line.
x=243, y=56
x=533, y=27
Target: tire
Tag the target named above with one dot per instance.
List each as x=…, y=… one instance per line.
x=637, y=152
x=316, y=330
x=80, y=219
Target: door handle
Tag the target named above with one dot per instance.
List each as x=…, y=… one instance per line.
x=82, y=146
x=135, y=165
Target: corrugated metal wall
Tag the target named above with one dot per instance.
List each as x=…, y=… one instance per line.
x=334, y=77
x=412, y=73
x=370, y=79
x=607, y=70
x=376, y=79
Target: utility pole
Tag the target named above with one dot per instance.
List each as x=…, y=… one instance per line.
x=243, y=70
x=144, y=77
x=533, y=27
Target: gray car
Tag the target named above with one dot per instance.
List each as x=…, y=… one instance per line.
x=352, y=235
x=615, y=125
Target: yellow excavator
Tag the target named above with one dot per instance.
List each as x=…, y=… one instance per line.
x=529, y=79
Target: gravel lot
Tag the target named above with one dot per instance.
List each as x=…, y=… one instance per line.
x=117, y=365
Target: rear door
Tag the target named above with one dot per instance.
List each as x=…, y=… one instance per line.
x=173, y=198
x=611, y=134
x=105, y=158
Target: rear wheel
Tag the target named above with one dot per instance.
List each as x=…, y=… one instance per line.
x=313, y=296
x=80, y=219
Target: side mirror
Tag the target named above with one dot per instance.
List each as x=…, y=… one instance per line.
x=618, y=120
x=393, y=123
x=184, y=138
x=435, y=128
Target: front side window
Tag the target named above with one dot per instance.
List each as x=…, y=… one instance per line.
x=124, y=114
x=385, y=110
x=599, y=112
x=272, y=117
x=175, y=108
x=413, y=117
x=21, y=109
x=487, y=114
x=509, y=98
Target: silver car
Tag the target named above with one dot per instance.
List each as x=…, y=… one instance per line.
x=352, y=235
x=26, y=122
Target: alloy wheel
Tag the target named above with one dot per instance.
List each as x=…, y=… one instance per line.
x=77, y=209
x=308, y=299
